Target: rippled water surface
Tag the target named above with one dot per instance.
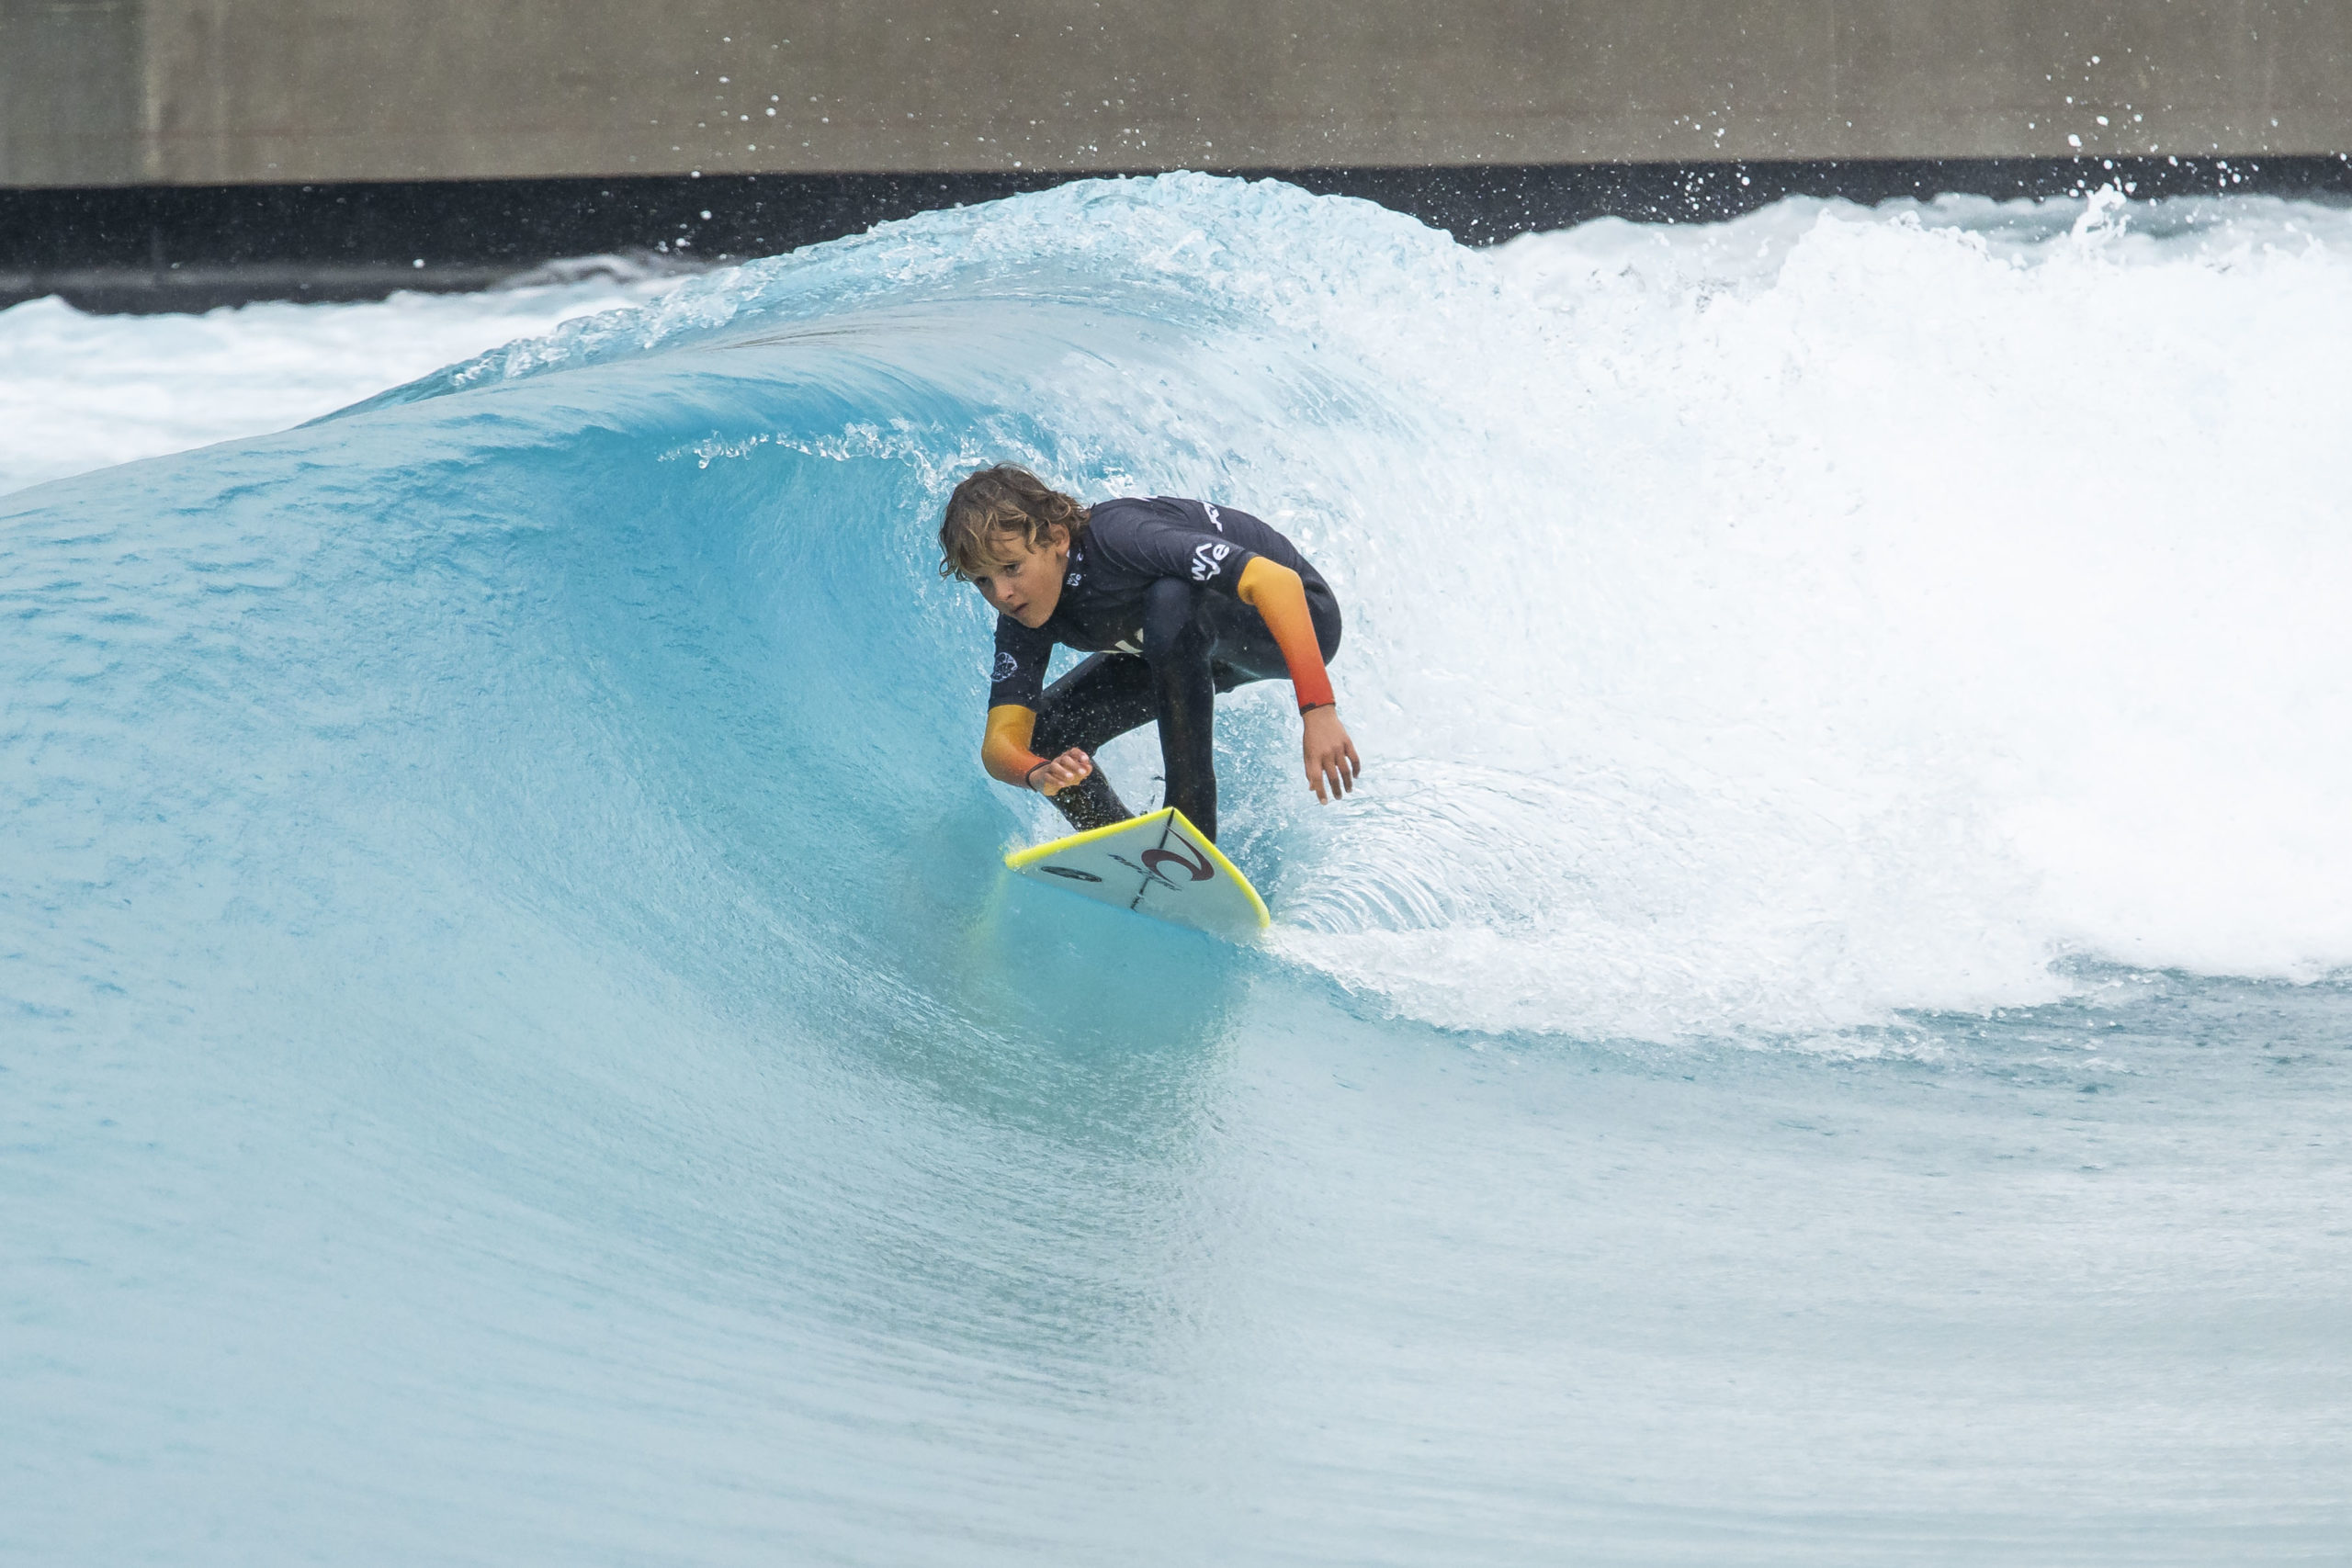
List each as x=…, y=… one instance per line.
x=1823, y=1037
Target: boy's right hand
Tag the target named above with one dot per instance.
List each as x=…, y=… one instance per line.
x=1051, y=778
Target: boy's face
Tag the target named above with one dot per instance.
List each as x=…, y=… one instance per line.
x=1026, y=580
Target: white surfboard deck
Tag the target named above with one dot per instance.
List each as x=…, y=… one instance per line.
x=1157, y=865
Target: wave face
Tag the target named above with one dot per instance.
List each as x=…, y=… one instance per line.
x=1822, y=1037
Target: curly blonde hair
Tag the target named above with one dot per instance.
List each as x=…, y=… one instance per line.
x=995, y=502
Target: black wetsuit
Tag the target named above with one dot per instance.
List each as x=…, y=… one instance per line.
x=1150, y=590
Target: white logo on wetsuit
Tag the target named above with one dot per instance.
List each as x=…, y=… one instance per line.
x=1071, y=580
x=1206, y=555
x=1215, y=521
x=1006, y=668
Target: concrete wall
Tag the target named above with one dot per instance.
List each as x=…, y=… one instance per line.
x=114, y=92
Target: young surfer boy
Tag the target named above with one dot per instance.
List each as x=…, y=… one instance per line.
x=1175, y=600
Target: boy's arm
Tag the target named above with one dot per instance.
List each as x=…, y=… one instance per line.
x=1017, y=678
x=1279, y=594
x=1004, y=752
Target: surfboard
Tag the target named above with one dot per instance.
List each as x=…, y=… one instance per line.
x=1158, y=865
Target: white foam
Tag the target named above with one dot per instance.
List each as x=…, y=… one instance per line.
x=1840, y=611
x=79, y=392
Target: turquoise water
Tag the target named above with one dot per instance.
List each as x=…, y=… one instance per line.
x=1824, y=1038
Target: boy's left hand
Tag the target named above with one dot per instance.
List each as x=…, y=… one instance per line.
x=1332, y=761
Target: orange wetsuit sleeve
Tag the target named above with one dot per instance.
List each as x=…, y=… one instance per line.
x=1004, y=752
x=1276, y=592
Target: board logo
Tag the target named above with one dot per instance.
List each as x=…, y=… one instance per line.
x=1005, y=668
x=1071, y=871
x=1208, y=557
x=1198, y=870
